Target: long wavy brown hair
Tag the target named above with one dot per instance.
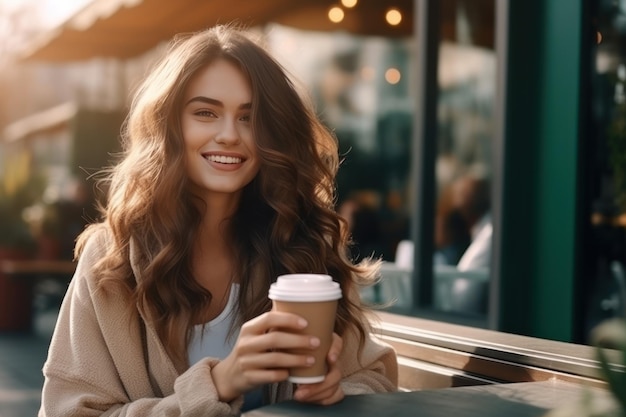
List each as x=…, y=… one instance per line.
x=286, y=221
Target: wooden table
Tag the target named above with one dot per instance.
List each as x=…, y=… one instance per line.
x=526, y=399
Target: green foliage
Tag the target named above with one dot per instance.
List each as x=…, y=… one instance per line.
x=15, y=232
x=612, y=334
x=615, y=378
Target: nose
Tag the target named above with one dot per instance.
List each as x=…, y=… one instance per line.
x=228, y=133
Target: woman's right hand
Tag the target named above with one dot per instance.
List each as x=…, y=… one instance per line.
x=257, y=357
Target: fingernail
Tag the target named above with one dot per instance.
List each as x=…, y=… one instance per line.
x=315, y=342
x=302, y=323
x=333, y=357
x=310, y=360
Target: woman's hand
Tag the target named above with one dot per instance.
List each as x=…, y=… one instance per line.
x=257, y=358
x=328, y=391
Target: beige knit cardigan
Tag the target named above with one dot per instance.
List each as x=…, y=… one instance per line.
x=107, y=361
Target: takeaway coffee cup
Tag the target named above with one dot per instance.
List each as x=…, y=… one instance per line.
x=313, y=297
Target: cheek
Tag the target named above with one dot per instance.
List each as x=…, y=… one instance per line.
x=191, y=137
x=255, y=156
x=194, y=133
x=250, y=144
x=256, y=168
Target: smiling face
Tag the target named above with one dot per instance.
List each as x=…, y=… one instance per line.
x=220, y=150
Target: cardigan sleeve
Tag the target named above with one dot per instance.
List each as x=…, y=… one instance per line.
x=96, y=364
x=374, y=370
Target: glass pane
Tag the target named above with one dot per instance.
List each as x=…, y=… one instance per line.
x=361, y=87
x=463, y=165
x=604, y=280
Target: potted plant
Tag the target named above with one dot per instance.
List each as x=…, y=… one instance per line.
x=15, y=236
x=612, y=334
x=609, y=339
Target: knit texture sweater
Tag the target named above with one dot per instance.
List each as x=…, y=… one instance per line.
x=107, y=360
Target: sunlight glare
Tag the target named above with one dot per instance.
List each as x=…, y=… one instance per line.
x=50, y=12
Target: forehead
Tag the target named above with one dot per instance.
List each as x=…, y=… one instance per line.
x=222, y=80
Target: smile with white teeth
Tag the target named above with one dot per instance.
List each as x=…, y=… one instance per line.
x=221, y=159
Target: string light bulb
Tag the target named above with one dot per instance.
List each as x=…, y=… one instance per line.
x=393, y=17
x=336, y=14
x=349, y=3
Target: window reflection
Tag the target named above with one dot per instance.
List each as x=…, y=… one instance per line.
x=363, y=90
x=463, y=167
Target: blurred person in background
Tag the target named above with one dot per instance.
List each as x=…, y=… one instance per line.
x=226, y=182
x=471, y=198
x=452, y=234
x=394, y=223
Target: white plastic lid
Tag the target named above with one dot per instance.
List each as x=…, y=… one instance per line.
x=305, y=288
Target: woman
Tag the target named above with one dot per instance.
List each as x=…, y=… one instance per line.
x=226, y=181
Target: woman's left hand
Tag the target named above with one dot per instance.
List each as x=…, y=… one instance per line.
x=328, y=391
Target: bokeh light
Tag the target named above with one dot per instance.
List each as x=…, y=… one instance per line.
x=393, y=76
x=393, y=17
x=349, y=3
x=336, y=14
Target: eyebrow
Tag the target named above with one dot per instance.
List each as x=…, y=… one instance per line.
x=212, y=101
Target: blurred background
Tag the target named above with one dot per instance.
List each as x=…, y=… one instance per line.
x=484, y=161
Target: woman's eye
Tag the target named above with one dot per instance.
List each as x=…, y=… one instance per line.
x=205, y=113
x=245, y=118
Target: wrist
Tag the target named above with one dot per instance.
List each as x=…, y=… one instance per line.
x=225, y=391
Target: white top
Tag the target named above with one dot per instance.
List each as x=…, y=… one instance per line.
x=213, y=340
x=478, y=254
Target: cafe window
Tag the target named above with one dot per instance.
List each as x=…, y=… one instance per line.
x=463, y=165
x=366, y=90
x=360, y=86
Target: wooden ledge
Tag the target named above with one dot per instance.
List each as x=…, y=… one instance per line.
x=434, y=354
